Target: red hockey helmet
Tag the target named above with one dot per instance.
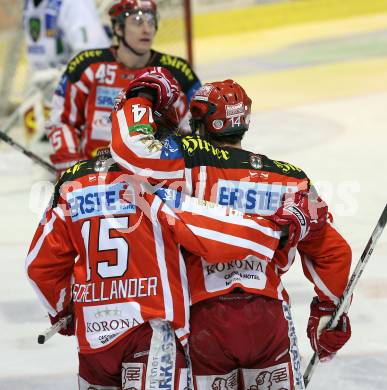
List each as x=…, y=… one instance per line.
x=122, y=8
x=223, y=107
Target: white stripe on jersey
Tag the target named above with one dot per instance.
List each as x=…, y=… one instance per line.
x=188, y=181
x=280, y=288
x=82, y=87
x=220, y=213
x=73, y=109
x=160, y=254
x=186, y=297
x=60, y=213
x=291, y=256
x=89, y=74
x=145, y=172
x=232, y=240
x=139, y=151
x=318, y=282
x=69, y=139
x=201, y=186
x=32, y=256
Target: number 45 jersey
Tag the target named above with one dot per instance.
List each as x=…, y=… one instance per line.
x=79, y=123
x=110, y=248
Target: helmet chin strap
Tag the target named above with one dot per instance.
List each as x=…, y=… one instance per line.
x=126, y=44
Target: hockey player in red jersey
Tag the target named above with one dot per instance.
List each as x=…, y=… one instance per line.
x=108, y=251
x=240, y=318
x=79, y=124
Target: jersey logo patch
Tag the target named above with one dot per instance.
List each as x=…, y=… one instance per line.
x=251, y=197
x=193, y=144
x=100, y=200
x=106, y=96
x=170, y=150
x=35, y=27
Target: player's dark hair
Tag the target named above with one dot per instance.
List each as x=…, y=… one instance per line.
x=232, y=139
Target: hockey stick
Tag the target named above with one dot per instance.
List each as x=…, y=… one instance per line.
x=26, y=152
x=343, y=305
x=47, y=334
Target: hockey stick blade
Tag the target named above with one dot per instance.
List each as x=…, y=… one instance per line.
x=47, y=334
x=7, y=139
x=343, y=305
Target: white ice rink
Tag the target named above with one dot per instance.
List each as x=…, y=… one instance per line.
x=339, y=140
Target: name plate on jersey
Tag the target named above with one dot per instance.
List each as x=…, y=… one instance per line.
x=252, y=197
x=100, y=200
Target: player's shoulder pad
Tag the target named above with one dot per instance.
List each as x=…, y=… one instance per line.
x=179, y=67
x=200, y=151
x=84, y=59
x=101, y=163
x=283, y=168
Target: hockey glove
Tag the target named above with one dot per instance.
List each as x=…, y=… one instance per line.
x=298, y=215
x=326, y=342
x=159, y=83
x=69, y=330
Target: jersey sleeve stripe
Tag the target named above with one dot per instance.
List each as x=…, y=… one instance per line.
x=73, y=109
x=223, y=214
x=123, y=148
x=231, y=240
x=319, y=283
x=82, y=87
x=60, y=213
x=89, y=74
x=186, y=297
x=69, y=139
x=146, y=172
x=160, y=253
x=32, y=256
x=188, y=181
x=201, y=186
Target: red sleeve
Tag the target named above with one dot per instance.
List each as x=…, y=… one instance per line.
x=326, y=260
x=134, y=147
x=217, y=234
x=50, y=262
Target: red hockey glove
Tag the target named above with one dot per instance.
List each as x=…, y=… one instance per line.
x=159, y=83
x=324, y=341
x=70, y=328
x=299, y=215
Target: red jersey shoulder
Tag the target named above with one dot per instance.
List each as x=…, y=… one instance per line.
x=282, y=168
x=80, y=170
x=86, y=58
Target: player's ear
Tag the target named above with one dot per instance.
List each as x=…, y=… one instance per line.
x=118, y=30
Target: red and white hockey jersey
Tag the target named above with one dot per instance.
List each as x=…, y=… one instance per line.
x=249, y=182
x=79, y=123
x=111, y=249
